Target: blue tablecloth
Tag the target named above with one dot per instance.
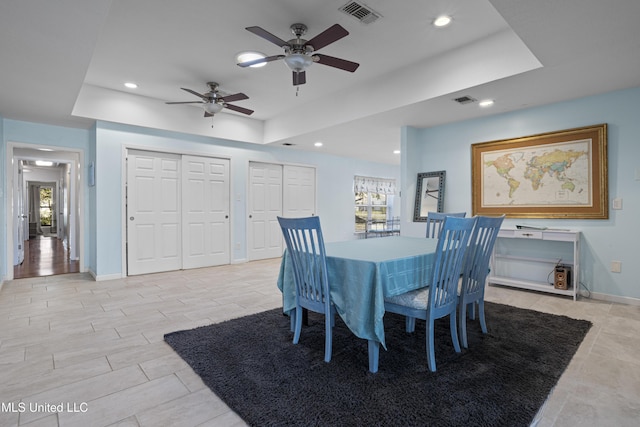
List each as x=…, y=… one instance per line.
x=362, y=273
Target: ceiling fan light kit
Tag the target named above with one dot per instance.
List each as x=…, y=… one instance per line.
x=212, y=107
x=298, y=62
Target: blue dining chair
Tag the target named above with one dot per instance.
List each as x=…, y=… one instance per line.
x=305, y=249
x=474, y=273
x=440, y=298
x=435, y=219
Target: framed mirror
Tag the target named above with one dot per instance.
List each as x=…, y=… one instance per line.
x=429, y=194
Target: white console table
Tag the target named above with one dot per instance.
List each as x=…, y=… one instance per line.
x=526, y=258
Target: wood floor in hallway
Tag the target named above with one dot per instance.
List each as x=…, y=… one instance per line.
x=45, y=256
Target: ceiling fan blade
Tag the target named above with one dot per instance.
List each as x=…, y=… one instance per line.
x=239, y=109
x=299, y=78
x=327, y=37
x=234, y=97
x=195, y=93
x=331, y=61
x=267, y=36
x=185, y=102
x=260, y=61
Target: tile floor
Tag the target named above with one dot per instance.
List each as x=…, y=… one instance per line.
x=97, y=348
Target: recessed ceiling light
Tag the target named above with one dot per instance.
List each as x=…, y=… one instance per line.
x=486, y=103
x=45, y=149
x=396, y=151
x=250, y=56
x=318, y=144
x=44, y=163
x=131, y=85
x=442, y=21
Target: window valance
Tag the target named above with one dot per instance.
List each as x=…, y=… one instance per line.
x=374, y=185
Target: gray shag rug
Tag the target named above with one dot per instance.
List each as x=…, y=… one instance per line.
x=502, y=379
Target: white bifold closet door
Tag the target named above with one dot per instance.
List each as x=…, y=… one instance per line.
x=276, y=190
x=205, y=211
x=177, y=212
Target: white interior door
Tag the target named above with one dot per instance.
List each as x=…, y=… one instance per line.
x=153, y=212
x=299, y=192
x=21, y=220
x=205, y=211
x=265, y=205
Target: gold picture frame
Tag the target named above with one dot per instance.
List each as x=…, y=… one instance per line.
x=559, y=174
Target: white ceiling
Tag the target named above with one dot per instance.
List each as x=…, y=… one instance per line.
x=65, y=62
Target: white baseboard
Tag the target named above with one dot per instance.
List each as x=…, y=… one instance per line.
x=104, y=277
x=239, y=261
x=613, y=298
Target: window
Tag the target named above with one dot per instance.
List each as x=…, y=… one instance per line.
x=373, y=201
x=45, y=205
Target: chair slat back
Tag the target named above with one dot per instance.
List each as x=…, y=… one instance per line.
x=435, y=220
x=305, y=247
x=476, y=265
x=449, y=258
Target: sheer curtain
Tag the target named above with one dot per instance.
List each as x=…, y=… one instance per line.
x=374, y=185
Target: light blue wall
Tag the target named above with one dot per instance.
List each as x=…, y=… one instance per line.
x=618, y=238
x=38, y=134
x=104, y=144
x=334, y=183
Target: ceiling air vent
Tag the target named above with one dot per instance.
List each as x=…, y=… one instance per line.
x=360, y=11
x=465, y=100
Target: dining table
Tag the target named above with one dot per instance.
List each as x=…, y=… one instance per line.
x=361, y=274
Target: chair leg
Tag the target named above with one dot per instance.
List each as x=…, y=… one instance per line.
x=463, y=325
x=328, y=336
x=483, y=323
x=298, y=327
x=454, y=331
x=410, y=324
x=471, y=308
x=292, y=319
x=374, y=355
x=431, y=356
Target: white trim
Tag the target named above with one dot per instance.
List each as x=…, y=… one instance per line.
x=9, y=214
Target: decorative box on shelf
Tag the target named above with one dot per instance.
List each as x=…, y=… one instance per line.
x=538, y=259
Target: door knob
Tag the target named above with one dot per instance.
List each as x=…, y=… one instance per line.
x=131, y=218
x=250, y=216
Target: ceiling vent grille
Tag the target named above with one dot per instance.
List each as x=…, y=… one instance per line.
x=360, y=11
x=465, y=100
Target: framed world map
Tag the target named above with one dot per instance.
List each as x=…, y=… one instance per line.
x=552, y=175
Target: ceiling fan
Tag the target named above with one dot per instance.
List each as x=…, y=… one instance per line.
x=299, y=53
x=213, y=102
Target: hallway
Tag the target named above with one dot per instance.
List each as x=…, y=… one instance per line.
x=45, y=256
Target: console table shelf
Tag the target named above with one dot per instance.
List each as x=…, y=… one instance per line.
x=532, y=258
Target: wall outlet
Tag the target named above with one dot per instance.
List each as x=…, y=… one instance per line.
x=616, y=266
x=617, y=203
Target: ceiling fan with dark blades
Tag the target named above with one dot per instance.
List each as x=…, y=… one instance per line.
x=299, y=53
x=213, y=102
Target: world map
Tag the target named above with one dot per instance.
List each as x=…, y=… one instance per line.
x=549, y=174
